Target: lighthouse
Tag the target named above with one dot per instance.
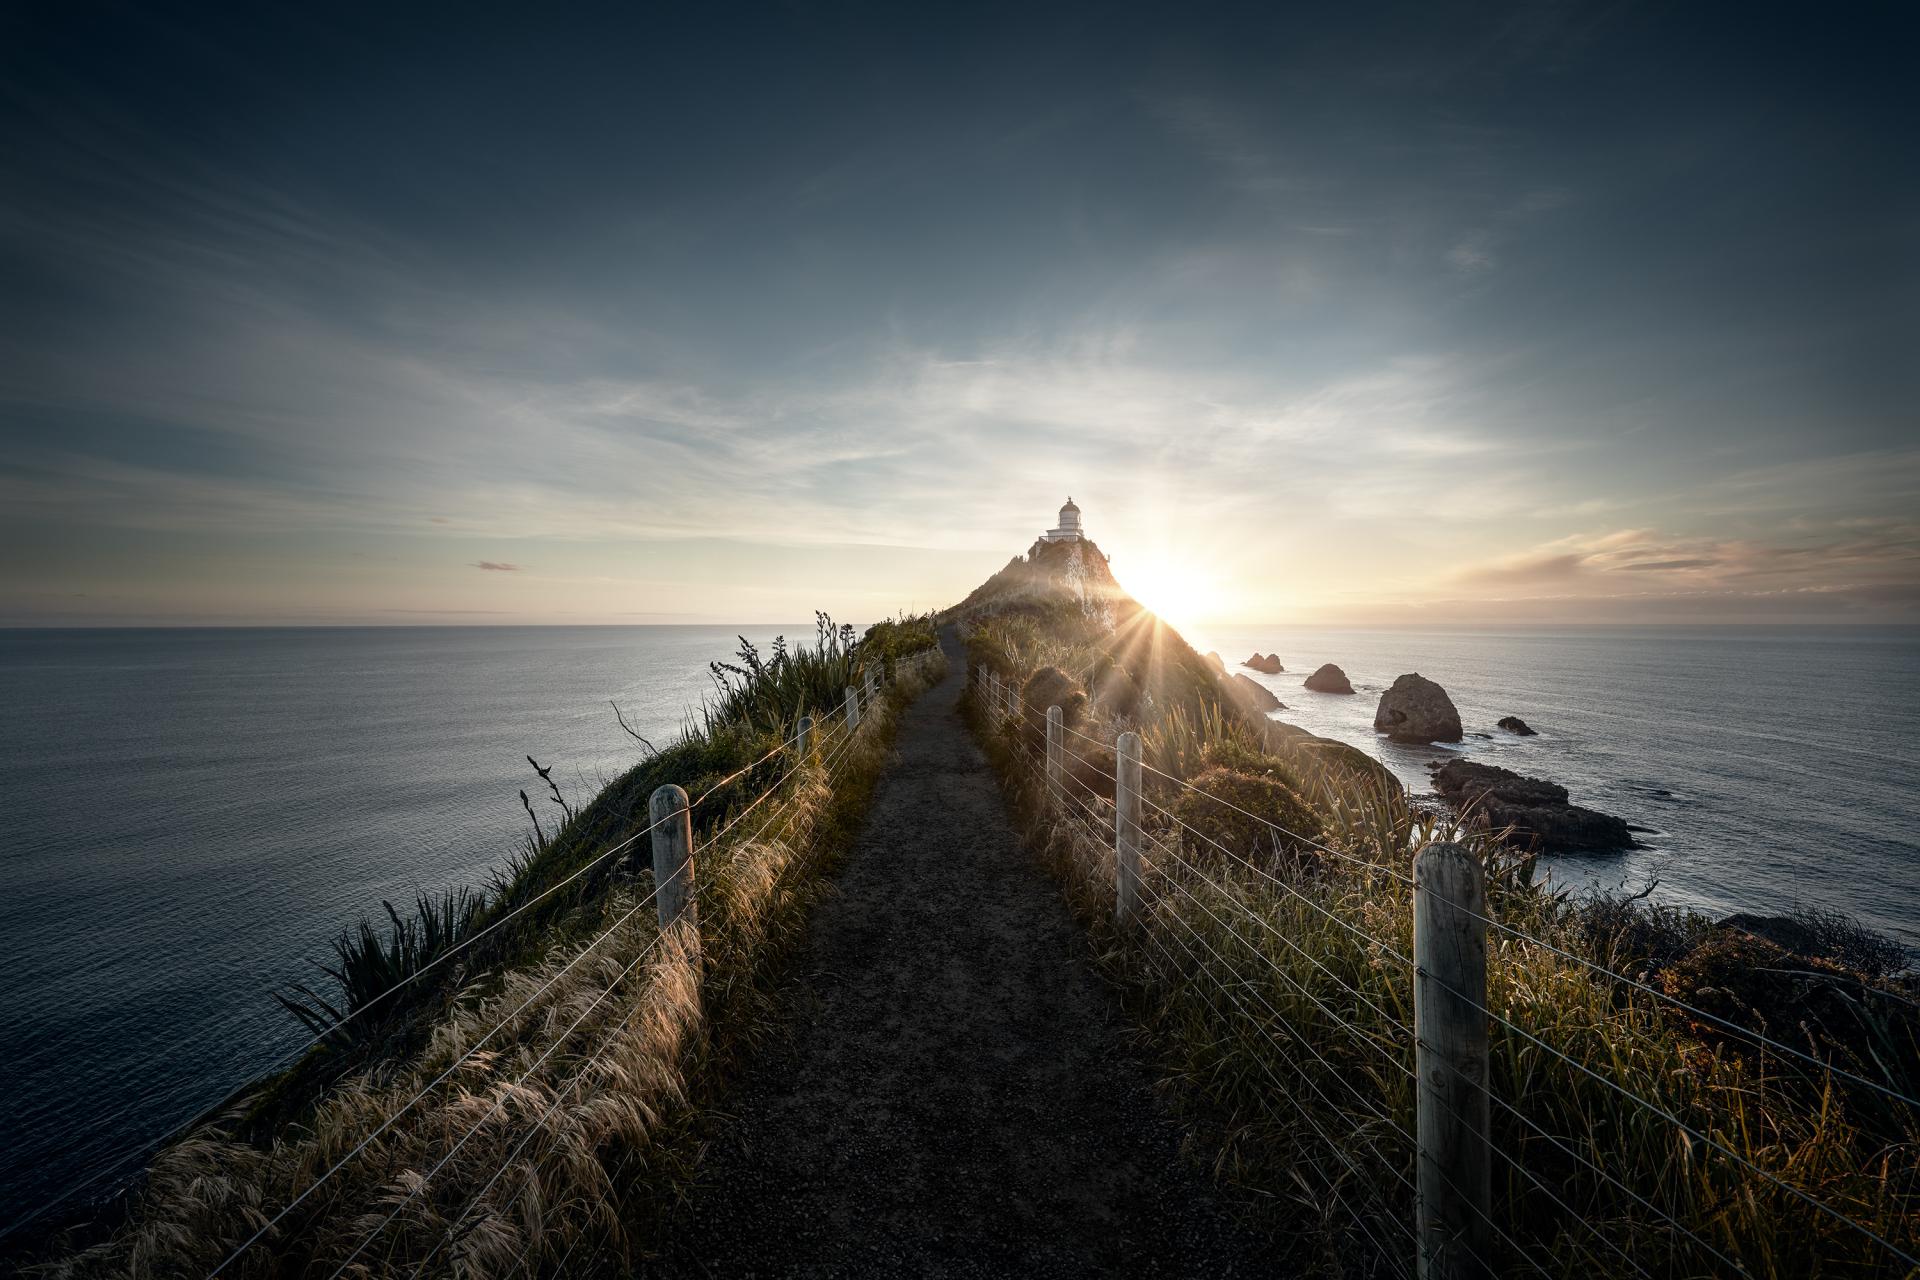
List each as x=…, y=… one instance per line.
x=1068, y=530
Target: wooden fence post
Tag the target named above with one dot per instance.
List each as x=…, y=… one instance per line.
x=1055, y=724
x=853, y=709
x=806, y=736
x=1450, y=1055
x=673, y=858
x=1126, y=828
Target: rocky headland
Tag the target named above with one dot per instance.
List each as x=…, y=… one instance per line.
x=1254, y=695
x=1536, y=811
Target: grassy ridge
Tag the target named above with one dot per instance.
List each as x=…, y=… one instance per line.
x=1272, y=980
x=546, y=1078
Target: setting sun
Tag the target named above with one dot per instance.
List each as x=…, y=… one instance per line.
x=1182, y=594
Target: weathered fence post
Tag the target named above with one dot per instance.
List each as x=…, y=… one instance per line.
x=1450, y=1054
x=1054, y=725
x=673, y=857
x=806, y=736
x=1126, y=828
x=853, y=708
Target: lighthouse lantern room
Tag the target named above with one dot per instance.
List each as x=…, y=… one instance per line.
x=1068, y=530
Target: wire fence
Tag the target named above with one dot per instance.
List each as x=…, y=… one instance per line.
x=552, y=1021
x=825, y=744
x=1352, y=996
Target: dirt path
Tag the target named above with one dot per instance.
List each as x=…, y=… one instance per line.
x=957, y=1096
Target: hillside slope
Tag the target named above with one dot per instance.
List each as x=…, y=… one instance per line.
x=1124, y=657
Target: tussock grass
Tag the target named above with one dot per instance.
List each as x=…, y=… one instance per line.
x=568, y=1113
x=1275, y=990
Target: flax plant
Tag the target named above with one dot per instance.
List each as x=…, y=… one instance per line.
x=1276, y=991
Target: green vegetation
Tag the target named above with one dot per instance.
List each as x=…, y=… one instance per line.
x=532, y=1086
x=1273, y=980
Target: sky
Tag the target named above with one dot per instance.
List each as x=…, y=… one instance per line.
x=1370, y=314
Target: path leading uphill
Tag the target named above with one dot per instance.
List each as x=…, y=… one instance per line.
x=957, y=1096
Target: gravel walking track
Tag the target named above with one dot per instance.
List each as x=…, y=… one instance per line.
x=957, y=1095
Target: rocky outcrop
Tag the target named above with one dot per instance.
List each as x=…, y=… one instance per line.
x=1328, y=678
x=1253, y=695
x=1536, y=810
x=1514, y=724
x=1416, y=709
x=1269, y=665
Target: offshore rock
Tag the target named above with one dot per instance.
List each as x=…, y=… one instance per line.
x=1269, y=665
x=1536, y=810
x=1328, y=678
x=1514, y=724
x=1416, y=709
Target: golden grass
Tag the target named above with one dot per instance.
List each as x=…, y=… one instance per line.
x=566, y=1116
x=1277, y=998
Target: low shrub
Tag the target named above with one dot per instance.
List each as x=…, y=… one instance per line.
x=1234, y=818
x=1052, y=687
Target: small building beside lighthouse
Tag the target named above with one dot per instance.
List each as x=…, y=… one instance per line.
x=1068, y=530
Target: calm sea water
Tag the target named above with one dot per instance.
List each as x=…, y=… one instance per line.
x=193, y=815
x=1771, y=767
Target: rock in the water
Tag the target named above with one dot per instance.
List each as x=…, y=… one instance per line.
x=1269, y=665
x=1417, y=710
x=1215, y=661
x=1329, y=679
x=1514, y=724
x=1535, y=809
x=1255, y=695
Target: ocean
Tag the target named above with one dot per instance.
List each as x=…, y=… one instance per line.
x=195, y=814
x=1771, y=767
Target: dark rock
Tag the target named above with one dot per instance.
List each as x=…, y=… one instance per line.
x=1269, y=665
x=1514, y=724
x=1416, y=709
x=1536, y=810
x=1254, y=695
x=1328, y=678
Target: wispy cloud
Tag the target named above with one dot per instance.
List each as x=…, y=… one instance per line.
x=497, y=566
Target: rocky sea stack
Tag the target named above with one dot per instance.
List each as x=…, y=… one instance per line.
x=1416, y=709
x=1269, y=665
x=1536, y=810
x=1515, y=725
x=1328, y=678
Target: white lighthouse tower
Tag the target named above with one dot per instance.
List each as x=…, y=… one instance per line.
x=1068, y=530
